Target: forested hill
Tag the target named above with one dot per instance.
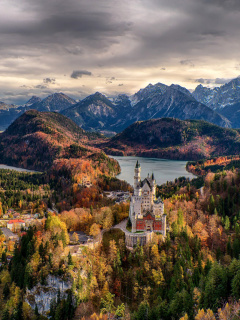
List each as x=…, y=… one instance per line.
x=174, y=139
x=36, y=139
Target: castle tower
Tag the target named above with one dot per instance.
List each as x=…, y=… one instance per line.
x=137, y=176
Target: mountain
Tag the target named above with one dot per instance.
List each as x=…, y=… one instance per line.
x=8, y=113
x=97, y=112
x=219, y=97
x=169, y=102
x=36, y=139
x=232, y=112
x=32, y=100
x=55, y=102
x=174, y=139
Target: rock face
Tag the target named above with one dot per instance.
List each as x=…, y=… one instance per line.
x=32, y=100
x=218, y=98
x=42, y=295
x=95, y=112
x=232, y=112
x=55, y=102
x=174, y=139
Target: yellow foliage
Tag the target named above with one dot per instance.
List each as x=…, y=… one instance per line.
x=202, y=315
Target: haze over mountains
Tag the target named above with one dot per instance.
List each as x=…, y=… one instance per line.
x=97, y=112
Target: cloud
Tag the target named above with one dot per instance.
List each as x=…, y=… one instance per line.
x=217, y=81
x=79, y=73
x=187, y=63
x=191, y=39
x=49, y=80
x=40, y=86
x=200, y=80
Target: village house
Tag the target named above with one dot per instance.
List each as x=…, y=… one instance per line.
x=16, y=224
x=9, y=235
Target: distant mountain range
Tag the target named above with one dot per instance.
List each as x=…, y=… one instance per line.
x=97, y=112
x=219, y=97
x=169, y=138
x=55, y=102
x=220, y=106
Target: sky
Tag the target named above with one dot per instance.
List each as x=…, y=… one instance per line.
x=82, y=46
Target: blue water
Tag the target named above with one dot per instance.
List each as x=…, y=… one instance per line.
x=3, y=166
x=164, y=170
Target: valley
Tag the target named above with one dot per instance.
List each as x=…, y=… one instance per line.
x=62, y=254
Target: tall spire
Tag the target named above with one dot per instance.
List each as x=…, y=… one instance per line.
x=152, y=176
x=137, y=165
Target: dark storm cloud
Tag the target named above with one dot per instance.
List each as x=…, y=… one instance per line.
x=79, y=73
x=40, y=38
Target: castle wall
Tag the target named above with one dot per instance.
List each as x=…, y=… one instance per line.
x=132, y=239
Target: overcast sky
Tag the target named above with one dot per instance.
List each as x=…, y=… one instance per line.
x=82, y=46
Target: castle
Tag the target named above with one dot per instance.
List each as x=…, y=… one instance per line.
x=146, y=212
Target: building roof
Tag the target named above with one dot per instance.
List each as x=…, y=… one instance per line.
x=146, y=180
x=137, y=165
x=159, y=200
x=82, y=237
x=7, y=232
x=16, y=221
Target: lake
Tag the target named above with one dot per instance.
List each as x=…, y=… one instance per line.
x=164, y=170
x=3, y=166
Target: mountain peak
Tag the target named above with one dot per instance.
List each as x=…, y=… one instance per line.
x=32, y=100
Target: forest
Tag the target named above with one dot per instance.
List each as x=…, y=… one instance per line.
x=193, y=274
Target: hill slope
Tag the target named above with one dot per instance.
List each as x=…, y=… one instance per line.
x=36, y=139
x=174, y=139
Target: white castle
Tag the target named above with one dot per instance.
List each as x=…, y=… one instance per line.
x=146, y=212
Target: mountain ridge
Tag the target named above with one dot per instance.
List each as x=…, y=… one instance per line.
x=174, y=139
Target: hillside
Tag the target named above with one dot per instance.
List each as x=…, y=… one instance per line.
x=232, y=112
x=36, y=140
x=174, y=139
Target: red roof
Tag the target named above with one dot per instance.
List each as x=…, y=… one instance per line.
x=16, y=221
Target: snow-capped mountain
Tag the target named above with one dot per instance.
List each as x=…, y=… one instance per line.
x=32, y=100
x=220, y=97
x=97, y=112
x=55, y=102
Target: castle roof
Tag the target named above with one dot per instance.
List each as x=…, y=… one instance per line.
x=137, y=165
x=146, y=180
x=159, y=200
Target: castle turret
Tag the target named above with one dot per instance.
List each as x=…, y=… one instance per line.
x=137, y=176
